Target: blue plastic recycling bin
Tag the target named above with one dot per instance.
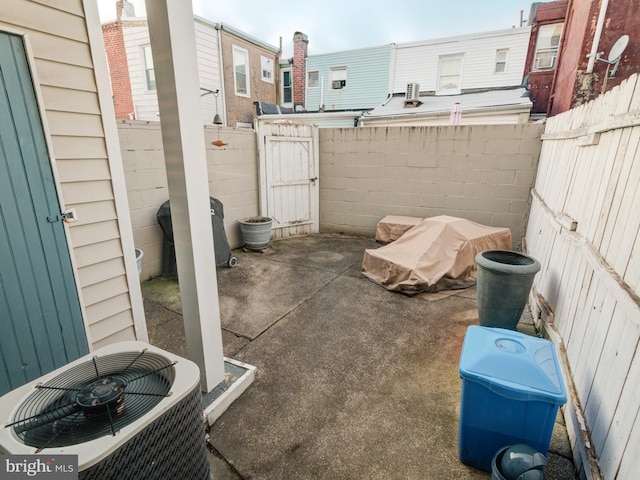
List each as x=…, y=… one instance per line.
x=512, y=388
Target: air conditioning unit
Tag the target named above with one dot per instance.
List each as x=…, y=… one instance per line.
x=128, y=410
x=545, y=62
x=338, y=84
x=413, y=92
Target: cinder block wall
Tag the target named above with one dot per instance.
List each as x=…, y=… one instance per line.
x=481, y=172
x=233, y=179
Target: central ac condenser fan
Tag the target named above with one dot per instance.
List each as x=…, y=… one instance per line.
x=129, y=410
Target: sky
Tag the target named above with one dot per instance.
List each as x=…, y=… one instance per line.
x=336, y=25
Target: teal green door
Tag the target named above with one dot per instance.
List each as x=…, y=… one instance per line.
x=41, y=326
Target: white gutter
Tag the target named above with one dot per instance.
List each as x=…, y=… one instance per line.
x=596, y=36
x=315, y=115
x=474, y=111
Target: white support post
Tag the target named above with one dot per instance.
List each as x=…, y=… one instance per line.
x=171, y=28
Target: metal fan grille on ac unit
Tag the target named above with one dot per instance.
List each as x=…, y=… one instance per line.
x=93, y=399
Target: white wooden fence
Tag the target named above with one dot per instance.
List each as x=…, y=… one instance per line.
x=584, y=228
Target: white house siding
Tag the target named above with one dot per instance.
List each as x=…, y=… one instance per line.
x=58, y=41
x=419, y=61
x=136, y=36
x=145, y=102
x=367, y=79
x=207, y=50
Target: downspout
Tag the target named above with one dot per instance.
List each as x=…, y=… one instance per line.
x=306, y=84
x=392, y=68
x=596, y=36
x=222, y=82
x=277, y=72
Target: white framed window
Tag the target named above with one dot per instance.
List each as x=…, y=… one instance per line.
x=501, y=60
x=241, y=71
x=149, y=72
x=338, y=78
x=313, y=79
x=266, y=65
x=547, y=46
x=449, y=74
x=287, y=86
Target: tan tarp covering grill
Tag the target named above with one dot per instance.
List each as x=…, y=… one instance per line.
x=437, y=254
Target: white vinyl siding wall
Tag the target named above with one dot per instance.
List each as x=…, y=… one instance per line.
x=207, y=51
x=136, y=36
x=145, y=102
x=419, y=61
x=367, y=74
x=58, y=41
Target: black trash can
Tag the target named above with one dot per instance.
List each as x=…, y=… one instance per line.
x=220, y=242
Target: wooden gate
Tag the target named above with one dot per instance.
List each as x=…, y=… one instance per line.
x=41, y=325
x=289, y=183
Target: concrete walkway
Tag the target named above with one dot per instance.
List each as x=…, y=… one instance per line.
x=352, y=382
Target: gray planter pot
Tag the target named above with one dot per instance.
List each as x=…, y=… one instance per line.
x=504, y=282
x=256, y=232
x=139, y=255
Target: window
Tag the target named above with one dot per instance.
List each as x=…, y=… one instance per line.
x=314, y=79
x=241, y=71
x=501, y=60
x=450, y=73
x=338, y=78
x=287, y=87
x=267, y=69
x=547, y=47
x=149, y=72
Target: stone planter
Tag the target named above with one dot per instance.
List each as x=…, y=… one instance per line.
x=504, y=282
x=256, y=232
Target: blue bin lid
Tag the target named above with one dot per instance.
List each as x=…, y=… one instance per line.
x=514, y=365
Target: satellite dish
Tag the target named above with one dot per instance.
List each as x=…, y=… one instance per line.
x=615, y=54
x=618, y=48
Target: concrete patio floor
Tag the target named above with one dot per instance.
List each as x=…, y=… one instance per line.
x=352, y=381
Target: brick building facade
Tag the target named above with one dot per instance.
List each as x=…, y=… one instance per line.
x=578, y=80
x=299, y=70
x=260, y=61
x=576, y=76
x=113, y=35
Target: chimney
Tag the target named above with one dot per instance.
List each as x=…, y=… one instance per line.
x=300, y=43
x=119, y=7
x=115, y=48
x=126, y=7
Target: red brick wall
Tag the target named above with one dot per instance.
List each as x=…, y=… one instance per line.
x=576, y=44
x=239, y=108
x=573, y=85
x=118, y=69
x=300, y=42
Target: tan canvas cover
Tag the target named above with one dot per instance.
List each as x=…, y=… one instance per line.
x=437, y=254
x=392, y=227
